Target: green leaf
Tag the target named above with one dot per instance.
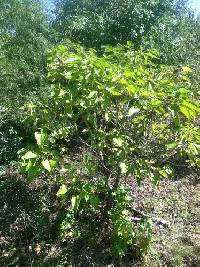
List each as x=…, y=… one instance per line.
x=107, y=117
x=92, y=94
x=165, y=172
x=187, y=69
x=29, y=165
x=115, y=93
x=46, y=165
x=194, y=149
x=62, y=191
x=33, y=172
x=191, y=105
x=94, y=201
x=87, y=197
x=38, y=137
x=72, y=59
x=153, y=54
x=123, y=167
x=171, y=145
x=52, y=163
x=73, y=201
x=188, y=112
x=118, y=141
x=133, y=110
x=129, y=74
x=156, y=103
x=155, y=179
x=29, y=155
x=132, y=89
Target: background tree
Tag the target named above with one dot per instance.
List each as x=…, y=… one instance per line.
x=169, y=26
x=177, y=38
x=96, y=23
x=23, y=48
x=23, y=45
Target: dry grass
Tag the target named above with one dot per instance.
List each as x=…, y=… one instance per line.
x=177, y=202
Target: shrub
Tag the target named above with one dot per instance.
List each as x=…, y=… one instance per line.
x=105, y=120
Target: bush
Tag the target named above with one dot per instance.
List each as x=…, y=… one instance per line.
x=105, y=120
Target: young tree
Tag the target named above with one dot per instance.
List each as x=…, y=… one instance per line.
x=106, y=120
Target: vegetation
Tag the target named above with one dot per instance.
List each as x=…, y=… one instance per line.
x=107, y=117
x=23, y=51
x=23, y=44
x=96, y=23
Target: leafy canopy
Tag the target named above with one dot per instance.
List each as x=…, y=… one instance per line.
x=23, y=45
x=95, y=23
x=122, y=104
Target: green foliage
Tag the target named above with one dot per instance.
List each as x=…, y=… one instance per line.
x=105, y=119
x=108, y=115
x=177, y=39
x=23, y=51
x=10, y=139
x=96, y=23
x=84, y=200
x=23, y=45
x=122, y=233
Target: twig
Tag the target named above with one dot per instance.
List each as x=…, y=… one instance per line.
x=139, y=215
x=100, y=157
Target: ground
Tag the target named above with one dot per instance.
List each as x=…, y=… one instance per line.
x=28, y=217
x=177, y=203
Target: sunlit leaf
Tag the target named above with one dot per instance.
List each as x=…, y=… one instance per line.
x=171, y=145
x=133, y=110
x=29, y=165
x=52, y=163
x=186, y=69
x=132, y=89
x=106, y=116
x=123, y=167
x=188, y=112
x=62, y=190
x=29, y=155
x=118, y=141
x=115, y=93
x=73, y=201
x=39, y=138
x=191, y=105
x=46, y=165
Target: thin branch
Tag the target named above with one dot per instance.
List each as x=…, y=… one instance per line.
x=100, y=157
x=139, y=215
